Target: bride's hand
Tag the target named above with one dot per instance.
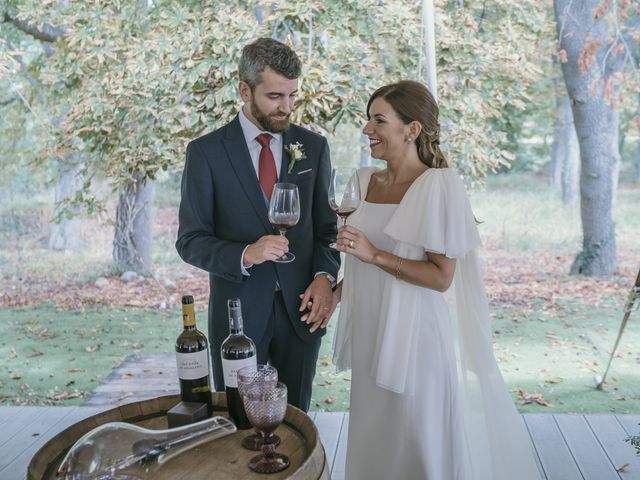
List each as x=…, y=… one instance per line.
x=353, y=241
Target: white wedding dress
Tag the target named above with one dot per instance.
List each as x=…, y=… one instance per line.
x=427, y=399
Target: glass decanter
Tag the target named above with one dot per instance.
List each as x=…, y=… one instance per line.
x=122, y=451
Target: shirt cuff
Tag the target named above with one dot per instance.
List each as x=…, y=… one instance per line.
x=331, y=278
x=244, y=268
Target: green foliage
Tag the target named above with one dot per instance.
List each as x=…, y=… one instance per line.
x=490, y=57
x=634, y=441
x=133, y=85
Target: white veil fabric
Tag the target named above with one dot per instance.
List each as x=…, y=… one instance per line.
x=435, y=216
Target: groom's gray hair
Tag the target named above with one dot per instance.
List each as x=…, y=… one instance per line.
x=267, y=52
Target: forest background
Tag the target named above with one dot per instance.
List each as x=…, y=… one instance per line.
x=540, y=114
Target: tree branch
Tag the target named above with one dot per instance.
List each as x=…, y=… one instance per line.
x=4, y=103
x=484, y=11
x=47, y=33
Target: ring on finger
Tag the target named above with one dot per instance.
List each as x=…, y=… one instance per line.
x=350, y=243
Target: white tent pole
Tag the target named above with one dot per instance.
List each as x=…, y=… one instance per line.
x=430, y=46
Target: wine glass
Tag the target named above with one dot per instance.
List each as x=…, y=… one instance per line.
x=284, y=212
x=344, y=195
x=253, y=375
x=266, y=406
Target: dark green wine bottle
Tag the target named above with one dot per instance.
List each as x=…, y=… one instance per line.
x=237, y=351
x=192, y=356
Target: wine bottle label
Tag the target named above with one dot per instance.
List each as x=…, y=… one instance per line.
x=193, y=365
x=231, y=367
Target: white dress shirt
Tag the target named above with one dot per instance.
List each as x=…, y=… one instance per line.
x=251, y=131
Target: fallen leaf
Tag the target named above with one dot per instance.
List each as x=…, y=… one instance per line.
x=528, y=398
x=13, y=354
x=15, y=375
x=554, y=380
x=66, y=395
x=329, y=400
x=623, y=468
x=92, y=349
x=137, y=345
x=35, y=354
x=72, y=370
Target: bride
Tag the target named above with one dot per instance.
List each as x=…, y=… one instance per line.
x=427, y=398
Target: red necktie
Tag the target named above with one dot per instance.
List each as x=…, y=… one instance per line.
x=267, y=165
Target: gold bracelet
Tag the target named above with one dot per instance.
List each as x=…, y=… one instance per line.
x=398, y=264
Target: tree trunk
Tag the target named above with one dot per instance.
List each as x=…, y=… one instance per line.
x=133, y=233
x=638, y=162
x=638, y=148
x=66, y=234
x=365, y=154
x=597, y=128
x=565, y=152
x=558, y=147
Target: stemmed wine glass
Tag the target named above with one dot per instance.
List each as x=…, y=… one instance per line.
x=254, y=375
x=284, y=212
x=344, y=195
x=266, y=406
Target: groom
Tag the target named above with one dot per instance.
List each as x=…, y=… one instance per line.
x=224, y=228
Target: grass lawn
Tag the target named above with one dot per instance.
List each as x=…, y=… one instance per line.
x=61, y=335
x=51, y=356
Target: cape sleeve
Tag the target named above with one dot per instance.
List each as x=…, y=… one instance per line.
x=435, y=214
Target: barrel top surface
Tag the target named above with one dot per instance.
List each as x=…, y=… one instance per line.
x=224, y=457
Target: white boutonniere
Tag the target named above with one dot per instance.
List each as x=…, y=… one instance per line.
x=296, y=152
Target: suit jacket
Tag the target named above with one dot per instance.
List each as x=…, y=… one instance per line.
x=223, y=209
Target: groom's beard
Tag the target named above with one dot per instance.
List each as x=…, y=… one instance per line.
x=268, y=121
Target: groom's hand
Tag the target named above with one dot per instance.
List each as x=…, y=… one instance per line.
x=266, y=248
x=317, y=299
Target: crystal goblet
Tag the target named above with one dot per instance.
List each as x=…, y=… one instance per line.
x=266, y=406
x=252, y=375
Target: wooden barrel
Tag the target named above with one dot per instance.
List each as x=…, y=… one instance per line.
x=222, y=459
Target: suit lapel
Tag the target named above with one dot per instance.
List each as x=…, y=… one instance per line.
x=240, y=160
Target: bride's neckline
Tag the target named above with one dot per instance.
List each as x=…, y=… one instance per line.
x=423, y=174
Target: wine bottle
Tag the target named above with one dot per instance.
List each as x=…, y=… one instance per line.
x=237, y=351
x=192, y=357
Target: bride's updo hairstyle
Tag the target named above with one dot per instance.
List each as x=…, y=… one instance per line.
x=412, y=101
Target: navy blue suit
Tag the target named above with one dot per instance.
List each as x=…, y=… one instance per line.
x=222, y=210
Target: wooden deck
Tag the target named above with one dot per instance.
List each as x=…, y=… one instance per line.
x=569, y=447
